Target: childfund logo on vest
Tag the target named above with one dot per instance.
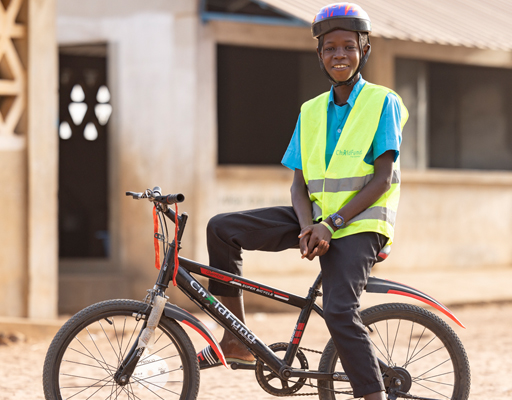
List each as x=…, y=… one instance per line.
x=350, y=153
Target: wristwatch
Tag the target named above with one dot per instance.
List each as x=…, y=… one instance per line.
x=337, y=220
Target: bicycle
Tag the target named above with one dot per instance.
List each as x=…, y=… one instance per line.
x=138, y=350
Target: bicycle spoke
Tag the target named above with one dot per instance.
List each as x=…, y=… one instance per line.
x=129, y=390
x=99, y=352
x=432, y=390
x=83, y=377
x=146, y=387
x=378, y=347
x=92, y=356
x=396, y=335
x=433, y=368
x=79, y=363
x=416, y=354
x=108, y=339
x=161, y=334
x=435, y=376
x=388, y=357
x=159, y=350
x=387, y=339
x=415, y=347
x=436, y=382
x=119, y=345
x=87, y=387
x=409, y=345
x=426, y=355
x=131, y=337
x=112, y=392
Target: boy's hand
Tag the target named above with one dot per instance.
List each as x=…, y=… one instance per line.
x=314, y=241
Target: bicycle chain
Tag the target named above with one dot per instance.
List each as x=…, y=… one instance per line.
x=311, y=385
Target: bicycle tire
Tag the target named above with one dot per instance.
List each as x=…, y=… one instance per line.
x=412, y=338
x=87, y=350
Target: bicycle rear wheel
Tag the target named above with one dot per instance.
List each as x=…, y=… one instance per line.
x=418, y=345
x=86, y=352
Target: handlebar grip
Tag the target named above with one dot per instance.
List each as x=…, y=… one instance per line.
x=170, y=198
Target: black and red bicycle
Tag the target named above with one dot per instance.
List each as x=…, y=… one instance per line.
x=137, y=350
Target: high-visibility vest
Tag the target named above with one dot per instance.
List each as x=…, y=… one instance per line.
x=332, y=187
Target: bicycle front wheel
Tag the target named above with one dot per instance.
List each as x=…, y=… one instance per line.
x=418, y=345
x=87, y=351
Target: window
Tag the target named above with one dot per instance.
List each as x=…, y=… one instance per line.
x=470, y=117
x=259, y=93
x=460, y=116
x=84, y=112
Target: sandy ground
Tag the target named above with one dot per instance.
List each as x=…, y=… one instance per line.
x=487, y=340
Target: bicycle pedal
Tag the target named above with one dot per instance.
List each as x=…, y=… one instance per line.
x=235, y=366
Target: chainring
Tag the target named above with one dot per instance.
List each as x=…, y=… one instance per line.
x=266, y=377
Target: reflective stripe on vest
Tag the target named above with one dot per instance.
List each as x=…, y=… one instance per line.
x=332, y=187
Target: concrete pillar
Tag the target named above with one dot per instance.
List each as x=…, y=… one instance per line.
x=28, y=159
x=42, y=158
x=13, y=171
x=381, y=64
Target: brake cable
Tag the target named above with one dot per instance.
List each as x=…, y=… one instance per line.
x=157, y=244
x=155, y=239
x=176, y=263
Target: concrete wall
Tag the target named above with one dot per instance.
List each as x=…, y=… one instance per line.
x=28, y=161
x=152, y=50
x=162, y=75
x=13, y=232
x=450, y=220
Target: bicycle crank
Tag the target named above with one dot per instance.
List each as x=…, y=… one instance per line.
x=270, y=381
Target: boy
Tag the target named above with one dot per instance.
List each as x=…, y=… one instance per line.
x=345, y=191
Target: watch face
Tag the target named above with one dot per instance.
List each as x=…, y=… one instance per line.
x=338, y=221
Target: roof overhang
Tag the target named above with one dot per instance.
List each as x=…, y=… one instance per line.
x=467, y=23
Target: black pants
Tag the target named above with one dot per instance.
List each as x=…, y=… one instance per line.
x=345, y=270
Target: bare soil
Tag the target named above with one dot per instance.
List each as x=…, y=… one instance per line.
x=487, y=341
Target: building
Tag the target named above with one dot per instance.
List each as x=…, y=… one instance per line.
x=187, y=95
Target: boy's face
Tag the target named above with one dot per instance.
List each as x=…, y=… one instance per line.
x=340, y=54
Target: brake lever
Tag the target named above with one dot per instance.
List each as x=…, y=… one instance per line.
x=135, y=195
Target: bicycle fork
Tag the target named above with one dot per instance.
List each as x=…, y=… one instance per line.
x=144, y=341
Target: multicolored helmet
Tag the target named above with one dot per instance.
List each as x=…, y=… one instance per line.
x=346, y=16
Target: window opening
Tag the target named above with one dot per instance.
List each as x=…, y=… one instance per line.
x=470, y=124
x=84, y=112
x=259, y=94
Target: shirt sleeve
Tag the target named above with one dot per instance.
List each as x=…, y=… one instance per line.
x=292, y=157
x=389, y=132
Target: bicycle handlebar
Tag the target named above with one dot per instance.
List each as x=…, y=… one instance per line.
x=170, y=198
x=155, y=195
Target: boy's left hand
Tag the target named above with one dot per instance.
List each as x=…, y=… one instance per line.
x=318, y=243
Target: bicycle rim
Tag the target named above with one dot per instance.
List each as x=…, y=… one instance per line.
x=83, y=359
x=418, y=344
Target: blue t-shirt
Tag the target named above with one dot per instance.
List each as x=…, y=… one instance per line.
x=388, y=135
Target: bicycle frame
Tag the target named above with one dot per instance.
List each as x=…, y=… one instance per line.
x=199, y=295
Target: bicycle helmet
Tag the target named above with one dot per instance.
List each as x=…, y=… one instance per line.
x=344, y=16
